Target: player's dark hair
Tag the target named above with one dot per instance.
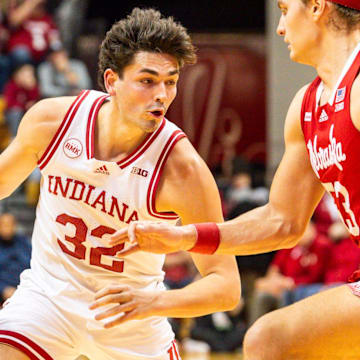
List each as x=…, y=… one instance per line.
x=345, y=18
x=143, y=30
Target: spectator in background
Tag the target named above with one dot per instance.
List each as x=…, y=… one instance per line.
x=241, y=191
x=70, y=17
x=179, y=270
x=325, y=214
x=15, y=251
x=20, y=93
x=222, y=331
x=32, y=32
x=302, y=265
x=61, y=76
x=342, y=261
x=4, y=59
x=344, y=257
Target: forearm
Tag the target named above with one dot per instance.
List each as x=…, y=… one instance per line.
x=258, y=231
x=199, y=298
x=21, y=13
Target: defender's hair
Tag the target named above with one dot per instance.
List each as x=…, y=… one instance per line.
x=345, y=18
x=143, y=30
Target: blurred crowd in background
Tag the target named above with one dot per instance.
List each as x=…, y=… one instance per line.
x=39, y=58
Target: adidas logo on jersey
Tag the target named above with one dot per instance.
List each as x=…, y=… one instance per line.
x=323, y=116
x=102, y=170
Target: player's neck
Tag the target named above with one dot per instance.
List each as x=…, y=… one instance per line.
x=333, y=53
x=114, y=137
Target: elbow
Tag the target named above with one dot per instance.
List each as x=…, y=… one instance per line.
x=291, y=233
x=230, y=297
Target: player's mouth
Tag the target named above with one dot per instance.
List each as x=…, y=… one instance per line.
x=157, y=113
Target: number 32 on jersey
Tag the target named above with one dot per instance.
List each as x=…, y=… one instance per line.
x=74, y=244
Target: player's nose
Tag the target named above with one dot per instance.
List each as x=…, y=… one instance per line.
x=280, y=30
x=161, y=93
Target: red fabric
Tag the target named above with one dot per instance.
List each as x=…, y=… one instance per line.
x=37, y=34
x=344, y=259
x=208, y=238
x=333, y=144
x=354, y=4
x=304, y=266
x=17, y=97
x=322, y=217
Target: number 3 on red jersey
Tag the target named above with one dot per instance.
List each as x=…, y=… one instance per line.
x=336, y=189
x=78, y=249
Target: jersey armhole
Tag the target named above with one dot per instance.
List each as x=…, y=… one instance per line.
x=61, y=131
x=305, y=101
x=155, y=179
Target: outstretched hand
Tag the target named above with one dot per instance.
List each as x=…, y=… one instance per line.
x=154, y=237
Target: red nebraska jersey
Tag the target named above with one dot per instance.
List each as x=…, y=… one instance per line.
x=333, y=143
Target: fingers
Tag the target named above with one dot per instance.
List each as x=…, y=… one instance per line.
x=119, y=237
x=116, y=310
x=113, y=289
x=128, y=251
x=124, y=235
x=131, y=315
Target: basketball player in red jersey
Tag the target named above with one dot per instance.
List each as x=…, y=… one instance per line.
x=107, y=159
x=322, y=137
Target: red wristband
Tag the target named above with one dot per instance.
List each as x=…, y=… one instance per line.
x=208, y=238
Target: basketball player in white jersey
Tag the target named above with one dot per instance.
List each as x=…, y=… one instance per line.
x=108, y=159
x=322, y=138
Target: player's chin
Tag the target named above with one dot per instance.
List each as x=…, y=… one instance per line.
x=150, y=125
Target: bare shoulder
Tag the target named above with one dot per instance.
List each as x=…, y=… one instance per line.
x=41, y=122
x=184, y=162
x=355, y=103
x=292, y=129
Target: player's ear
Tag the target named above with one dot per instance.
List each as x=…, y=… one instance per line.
x=110, y=77
x=317, y=8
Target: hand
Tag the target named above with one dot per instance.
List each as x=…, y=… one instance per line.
x=131, y=304
x=155, y=237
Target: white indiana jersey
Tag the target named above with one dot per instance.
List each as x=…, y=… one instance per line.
x=83, y=200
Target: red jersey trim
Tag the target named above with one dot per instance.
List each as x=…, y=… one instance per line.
x=142, y=147
x=307, y=98
x=91, y=125
x=154, y=182
x=64, y=126
x=24, y=344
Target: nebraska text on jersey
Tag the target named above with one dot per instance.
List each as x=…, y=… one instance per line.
x=322, y=158
x=88, y=194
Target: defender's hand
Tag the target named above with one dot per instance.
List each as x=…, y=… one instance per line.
x=155, y=237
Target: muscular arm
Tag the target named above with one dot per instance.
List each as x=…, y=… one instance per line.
x=35, y=132
x=294, y=194
x=189, y=189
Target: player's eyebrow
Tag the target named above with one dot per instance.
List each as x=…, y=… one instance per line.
x=155, y=73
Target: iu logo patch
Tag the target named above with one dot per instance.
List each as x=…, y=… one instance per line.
x=72, y=148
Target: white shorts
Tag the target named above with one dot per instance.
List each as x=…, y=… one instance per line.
x=42, y=330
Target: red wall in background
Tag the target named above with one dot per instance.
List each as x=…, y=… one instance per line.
x=221, y=100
